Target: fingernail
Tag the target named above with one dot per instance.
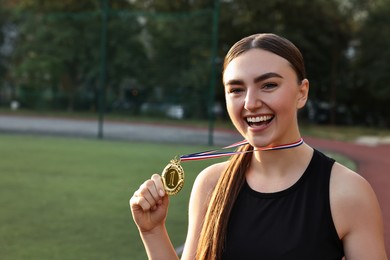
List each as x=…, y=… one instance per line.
x=162, y=193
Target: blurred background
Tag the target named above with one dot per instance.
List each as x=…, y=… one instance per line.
x=137, y=58
x=129, y=63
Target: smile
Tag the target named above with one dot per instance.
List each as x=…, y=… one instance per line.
x=259, y=120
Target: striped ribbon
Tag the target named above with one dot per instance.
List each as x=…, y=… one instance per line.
x=211, y=154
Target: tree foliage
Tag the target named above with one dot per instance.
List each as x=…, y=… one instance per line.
x=372, y=80
x=160, y=50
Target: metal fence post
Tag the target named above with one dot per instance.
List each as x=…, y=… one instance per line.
x=213, y=71
x=103, y=67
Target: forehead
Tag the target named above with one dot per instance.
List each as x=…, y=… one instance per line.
x=256, y=62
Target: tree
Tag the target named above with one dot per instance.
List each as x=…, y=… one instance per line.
x=372, y=77
x=58, y=49
x=160, y=50
x=177, y=38
x=145, y=50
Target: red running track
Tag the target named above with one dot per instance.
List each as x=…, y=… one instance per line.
x=373, y=164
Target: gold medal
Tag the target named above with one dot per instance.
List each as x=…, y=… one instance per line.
x=173, y=177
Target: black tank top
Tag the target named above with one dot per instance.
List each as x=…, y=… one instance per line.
x=293, y=224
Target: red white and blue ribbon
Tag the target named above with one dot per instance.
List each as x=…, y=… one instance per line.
x=212, y=154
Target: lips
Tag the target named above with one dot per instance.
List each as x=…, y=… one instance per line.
x=263, y=120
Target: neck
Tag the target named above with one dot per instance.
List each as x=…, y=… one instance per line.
x=281, y=146
x=281, y=161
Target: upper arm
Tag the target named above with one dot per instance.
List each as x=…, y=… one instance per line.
x=357, y=215
x=201, y=192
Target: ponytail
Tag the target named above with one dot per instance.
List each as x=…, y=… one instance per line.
x=213, y=234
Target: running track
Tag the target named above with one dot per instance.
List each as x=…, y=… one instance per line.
x=373, y=164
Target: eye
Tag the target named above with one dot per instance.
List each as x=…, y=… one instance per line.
x=234, y=90
x=269, y=86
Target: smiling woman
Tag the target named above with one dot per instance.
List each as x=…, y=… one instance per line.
x=267, y=91
x=288, y=201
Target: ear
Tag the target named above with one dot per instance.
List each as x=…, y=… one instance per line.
x=303, y=93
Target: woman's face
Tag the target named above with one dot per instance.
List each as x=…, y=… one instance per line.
x=263, y=96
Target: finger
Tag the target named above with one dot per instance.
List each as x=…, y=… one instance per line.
x=142, y=199
x=139, y=202
x=153, y=189
x=149, y=192
x=159, y=184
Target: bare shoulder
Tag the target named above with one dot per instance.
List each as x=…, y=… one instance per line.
x=348, y=186
x=350, y=195
x=356, y=214
x=208, y=178
x=202, y=189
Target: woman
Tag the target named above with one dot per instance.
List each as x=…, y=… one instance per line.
x=293, y=203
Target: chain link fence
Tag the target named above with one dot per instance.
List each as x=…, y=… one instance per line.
x=154, y=64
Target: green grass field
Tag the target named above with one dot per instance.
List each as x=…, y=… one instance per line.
x=66, y=198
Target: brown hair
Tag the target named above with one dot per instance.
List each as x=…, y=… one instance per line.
x=272, y=43
x=213, y=234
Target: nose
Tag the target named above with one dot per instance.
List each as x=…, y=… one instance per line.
x=252, y=100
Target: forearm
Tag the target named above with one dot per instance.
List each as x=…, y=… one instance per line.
x=158, y=245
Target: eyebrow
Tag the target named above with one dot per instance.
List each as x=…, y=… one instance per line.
x=256, y=80
x=267, y=76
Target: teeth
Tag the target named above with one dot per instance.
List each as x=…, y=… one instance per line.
x=258, y=119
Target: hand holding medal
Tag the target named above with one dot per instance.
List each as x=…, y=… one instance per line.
x=173, y=174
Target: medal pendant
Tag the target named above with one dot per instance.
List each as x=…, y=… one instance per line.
x=173, y=177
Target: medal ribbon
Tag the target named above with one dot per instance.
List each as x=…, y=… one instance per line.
x=211, y=154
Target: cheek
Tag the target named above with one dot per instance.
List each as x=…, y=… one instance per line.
x=285, y=107
x=234, y=112
x=232, y=106
x=230, y=109
x=285, y=100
